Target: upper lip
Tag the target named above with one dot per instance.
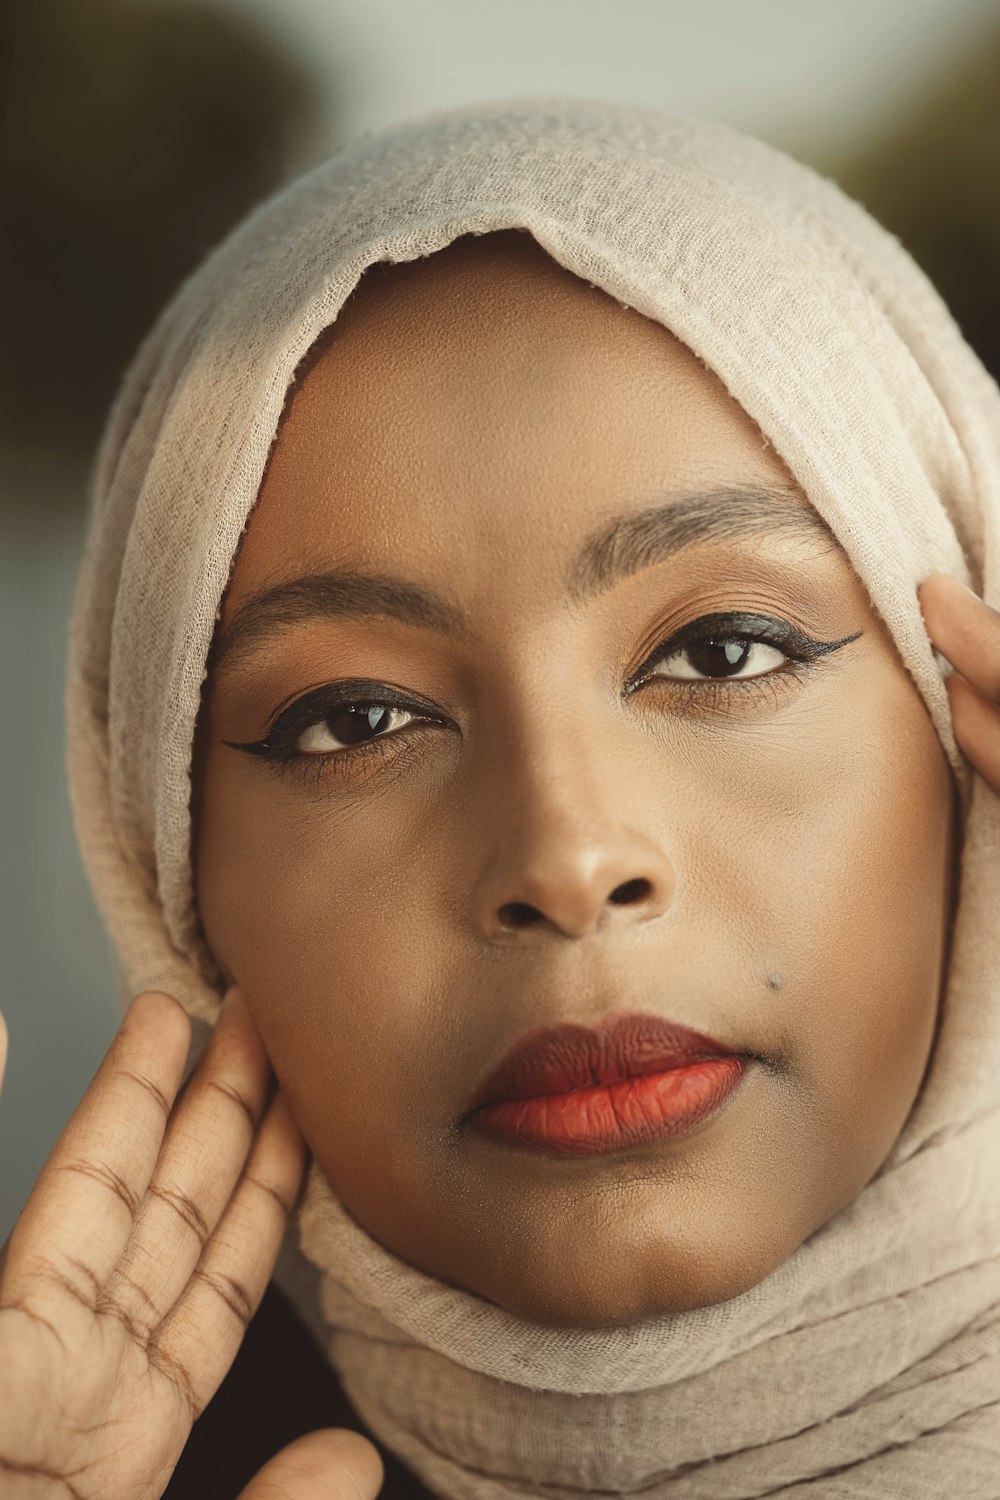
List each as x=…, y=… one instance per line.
x=556, y=1059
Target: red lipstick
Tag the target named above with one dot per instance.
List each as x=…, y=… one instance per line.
x=576, y=1090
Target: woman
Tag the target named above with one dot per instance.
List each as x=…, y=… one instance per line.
x=499, y=669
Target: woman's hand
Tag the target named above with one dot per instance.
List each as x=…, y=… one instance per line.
x=967, y=631
x=142, y=1253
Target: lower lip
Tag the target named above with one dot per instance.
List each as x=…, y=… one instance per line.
x=614, y=1117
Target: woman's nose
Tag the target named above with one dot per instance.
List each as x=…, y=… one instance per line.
x=572, y=864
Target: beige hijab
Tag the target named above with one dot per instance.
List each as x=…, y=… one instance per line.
x=868, y=1364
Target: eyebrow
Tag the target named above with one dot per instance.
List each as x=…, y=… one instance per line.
x=625, y=545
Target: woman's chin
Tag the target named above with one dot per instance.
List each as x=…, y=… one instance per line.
x=612, y=1291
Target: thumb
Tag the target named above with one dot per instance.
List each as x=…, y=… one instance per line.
x=332, y=1464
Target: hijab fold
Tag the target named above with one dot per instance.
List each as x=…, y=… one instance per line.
x=867, y=1366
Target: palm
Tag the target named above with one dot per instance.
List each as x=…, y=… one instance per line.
x=129, y=1279
x=103, y=1386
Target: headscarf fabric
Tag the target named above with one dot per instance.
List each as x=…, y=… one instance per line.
x=868, y=1363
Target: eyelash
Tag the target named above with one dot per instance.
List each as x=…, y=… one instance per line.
x=277, y=748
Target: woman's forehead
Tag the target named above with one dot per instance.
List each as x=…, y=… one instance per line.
x=484, y=402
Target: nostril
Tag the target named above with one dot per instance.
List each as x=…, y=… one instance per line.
x=631, y=890
x=519, y=914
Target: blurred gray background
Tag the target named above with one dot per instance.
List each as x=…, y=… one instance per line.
x=134, y=133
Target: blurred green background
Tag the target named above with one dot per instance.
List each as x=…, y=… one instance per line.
x=134, y=133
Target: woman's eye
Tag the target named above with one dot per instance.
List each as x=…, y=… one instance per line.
x=723, y=656
x=337, y=724
x=354, y=724
x=735, y=647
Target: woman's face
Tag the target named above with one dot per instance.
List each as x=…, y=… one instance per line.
x=577, y=815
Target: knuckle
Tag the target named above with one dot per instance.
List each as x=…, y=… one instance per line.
x=184, y=1207
x=73, y=1277
x=88, y=1278
x=271, y=1191
x=231, y=1292
x=108, y=1178
x=229, y=1091
x=151, y=1088
x=110, y=1307
x=112, y=1302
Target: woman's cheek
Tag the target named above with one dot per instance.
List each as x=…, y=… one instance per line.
x=870, y=916
x=324, y=923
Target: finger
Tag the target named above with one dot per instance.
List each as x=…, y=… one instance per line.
x=206, y=1146
x=72, y=1230
x=333, y=1464
x=964, y=629
x=197, y=1342
x=977, y=729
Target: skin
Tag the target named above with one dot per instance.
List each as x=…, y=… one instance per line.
x=469, y=420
